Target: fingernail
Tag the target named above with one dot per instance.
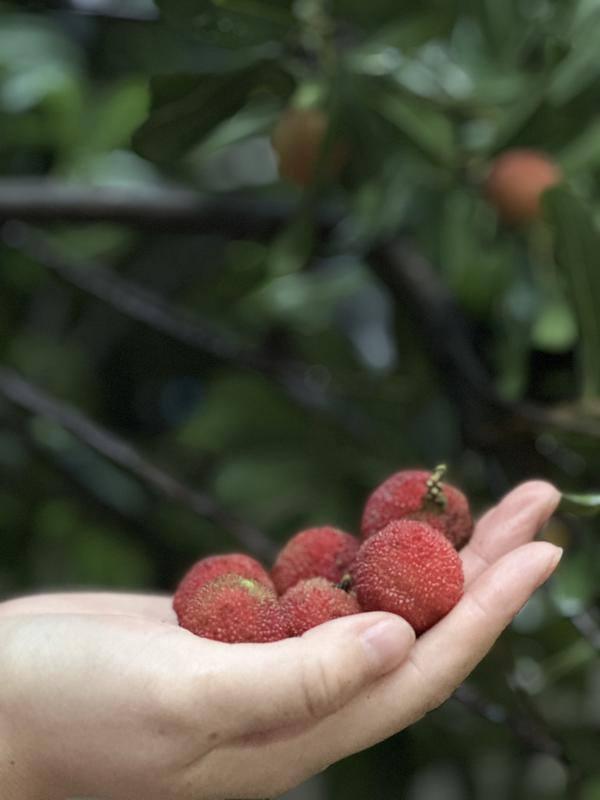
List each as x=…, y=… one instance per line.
x=387, y=643
x=555, y=557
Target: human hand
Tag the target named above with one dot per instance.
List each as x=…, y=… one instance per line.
x=104, y=695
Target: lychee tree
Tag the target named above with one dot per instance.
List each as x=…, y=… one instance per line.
x=259, y=255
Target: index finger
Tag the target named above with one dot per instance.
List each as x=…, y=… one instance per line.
x=514, y=521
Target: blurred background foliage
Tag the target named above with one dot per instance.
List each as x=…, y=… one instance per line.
x=283, y=358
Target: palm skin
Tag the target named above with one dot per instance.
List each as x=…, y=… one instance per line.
x=104, y=695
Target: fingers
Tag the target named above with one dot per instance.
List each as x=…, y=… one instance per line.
x=510, y=524
x=444, y=656
x=437, y=664
x=150, y=606
x=301, y=680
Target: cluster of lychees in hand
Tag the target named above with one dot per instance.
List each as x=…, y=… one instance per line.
x=408, y=564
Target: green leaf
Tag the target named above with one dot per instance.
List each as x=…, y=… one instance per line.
x=577, y=245
x=554, y=329
x=580, y=68
x=230, y=22
x=420, y=121
x=186, y=108
x=583, y=152
x=582, y=505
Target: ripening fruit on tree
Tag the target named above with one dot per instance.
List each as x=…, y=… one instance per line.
x=516, y=181
x=298, y=139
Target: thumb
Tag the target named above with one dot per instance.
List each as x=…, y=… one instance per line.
x=302, y=680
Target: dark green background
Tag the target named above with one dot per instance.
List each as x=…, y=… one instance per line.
x=354, y=371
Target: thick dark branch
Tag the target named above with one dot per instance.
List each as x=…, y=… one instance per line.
x=158, y=210
x=32, y=399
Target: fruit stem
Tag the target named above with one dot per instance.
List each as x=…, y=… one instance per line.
x=435, y=495
x=345, y=583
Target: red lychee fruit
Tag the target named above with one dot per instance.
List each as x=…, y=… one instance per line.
x=516, y=182
x=310, y=603
x=297, y=139
x=232, y=608
x=207, y=569
x=323, y=552
x=420, y=495
x=409, y=569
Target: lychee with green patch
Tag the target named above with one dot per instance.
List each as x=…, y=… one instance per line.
x=233, y=608
x=207, y=569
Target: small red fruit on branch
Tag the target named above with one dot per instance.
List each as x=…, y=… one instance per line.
x=419, y=495
x=409, y=569
x=516, y=181
x=298, y=140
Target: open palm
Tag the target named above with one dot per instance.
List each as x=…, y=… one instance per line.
x=104, y=695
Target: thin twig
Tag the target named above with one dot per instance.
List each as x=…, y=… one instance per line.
x=588, y=626
x=133, y=300
x=24, y=394
x=141, y=532
x=525, y=728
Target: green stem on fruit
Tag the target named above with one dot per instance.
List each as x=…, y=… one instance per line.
x=435, y=499
x=345, y=583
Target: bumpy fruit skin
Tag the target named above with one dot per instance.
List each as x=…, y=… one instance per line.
x=516, y=182
x=323, y=552
x=313, y=602
x=234, y=609
x=297, y=139
x=404, y=496
x=409, y=569
x=207, y=569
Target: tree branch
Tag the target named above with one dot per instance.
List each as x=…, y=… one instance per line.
x=139, y=531
x=138, y=303
x=35, y=401
x=409, y=277
x=158, y=210
x=412, y=281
